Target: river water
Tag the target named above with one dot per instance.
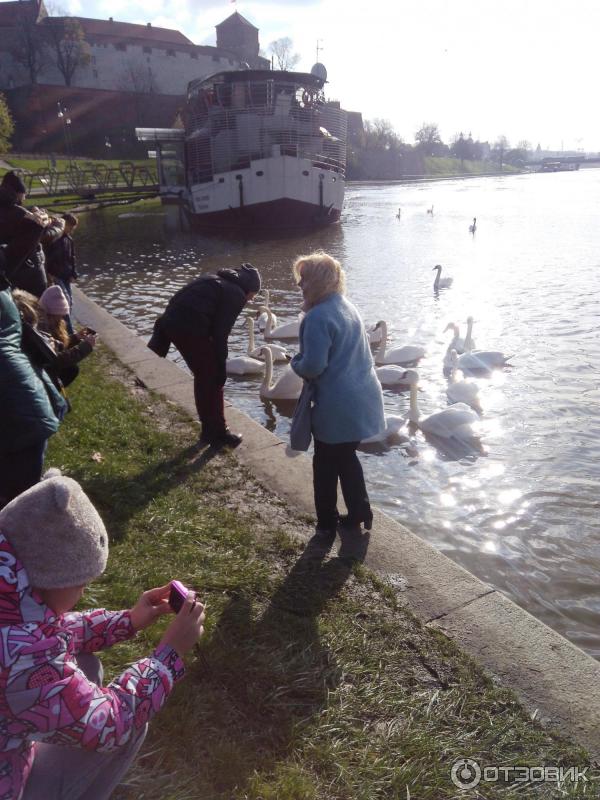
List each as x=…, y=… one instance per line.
x=522, y=514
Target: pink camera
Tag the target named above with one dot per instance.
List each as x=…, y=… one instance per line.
x=178, y=595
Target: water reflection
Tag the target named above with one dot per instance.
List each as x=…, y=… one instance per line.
x=524, y=518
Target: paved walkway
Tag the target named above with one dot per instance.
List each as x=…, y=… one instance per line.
x=549, y=674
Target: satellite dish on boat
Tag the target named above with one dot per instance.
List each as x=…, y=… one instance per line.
x=319, y=71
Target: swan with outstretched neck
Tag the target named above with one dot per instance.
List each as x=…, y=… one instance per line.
x=289, y=330
x=262, y=319
x=439, y=282
x=279, y=353
x=461, y=391
x=453, y=422
x=396, y=355
x=287, y=387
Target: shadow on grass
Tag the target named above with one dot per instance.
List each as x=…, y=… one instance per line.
x=120, y=498
x=267, y=675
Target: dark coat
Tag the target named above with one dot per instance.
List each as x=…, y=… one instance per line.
x=30, y=406
x=208, y=308
x=18, y=232
x=60, y=259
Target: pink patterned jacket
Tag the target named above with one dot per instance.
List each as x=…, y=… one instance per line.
x=44, y=696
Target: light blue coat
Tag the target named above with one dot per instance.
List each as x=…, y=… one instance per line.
x=335, y=356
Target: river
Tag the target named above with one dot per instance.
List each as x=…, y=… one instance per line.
x=523, y=514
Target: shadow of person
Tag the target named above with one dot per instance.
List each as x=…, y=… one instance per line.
x=264, y=672
x=118, y=498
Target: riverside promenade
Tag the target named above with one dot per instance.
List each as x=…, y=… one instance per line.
x=550, y=676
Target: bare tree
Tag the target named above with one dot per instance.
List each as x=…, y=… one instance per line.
x=138, y=77
x=29, y=47
x=428, y=138
x=67, y=43
x=281, y=49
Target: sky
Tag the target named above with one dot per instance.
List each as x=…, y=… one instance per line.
x=524, y=69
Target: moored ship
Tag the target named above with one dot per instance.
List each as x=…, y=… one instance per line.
x=259, y=149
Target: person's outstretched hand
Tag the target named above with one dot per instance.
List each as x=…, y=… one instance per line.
x=150, y=606
x=185, y=630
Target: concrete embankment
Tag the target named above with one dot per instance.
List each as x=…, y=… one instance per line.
x=549, y=674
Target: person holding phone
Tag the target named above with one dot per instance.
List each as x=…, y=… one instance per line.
x=62, y=734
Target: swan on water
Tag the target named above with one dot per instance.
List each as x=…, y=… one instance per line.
x=473, y=227
x=279, y=353
x=289, y=330
x=244, y=365
x=461, y=391
x=392, y=432
x=287, y=387
x=453, y=422
x=391, y=375
x=430, y=211
x=397, y=355
x=480, y=360
x=469, y=342
x=456, y=343
x=262, y=319
x=374, y=334
x=399, y=214
x=441, y=283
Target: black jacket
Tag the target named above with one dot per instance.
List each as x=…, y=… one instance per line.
x=60, y=259
x=19, y=233
x=207, y=307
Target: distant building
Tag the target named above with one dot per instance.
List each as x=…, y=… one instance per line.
x=125, y=56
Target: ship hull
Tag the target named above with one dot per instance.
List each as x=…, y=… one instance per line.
x=283, y=214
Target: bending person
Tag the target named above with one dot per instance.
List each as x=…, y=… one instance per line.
x=347, y=401
x=64, y=736
x=198, y=320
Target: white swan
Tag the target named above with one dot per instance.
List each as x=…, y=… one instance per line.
x=397, y=355
x=469, y=341
x=374, y=334
x=290, y=330
x=453, y=422
x=279, y=353
x=473, y=227
x=441, y=283
x=456, y=343
x=482, y=360
x=391, y=432
x=262, y=319
x=287, y=387
x=391, y=375
x=244, y=365
x=461, y=391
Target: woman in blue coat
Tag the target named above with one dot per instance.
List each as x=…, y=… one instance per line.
x=347, y=401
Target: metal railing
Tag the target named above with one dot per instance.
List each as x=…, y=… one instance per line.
x=90, y=178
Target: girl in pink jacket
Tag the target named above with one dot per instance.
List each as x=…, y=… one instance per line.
x=52, y=544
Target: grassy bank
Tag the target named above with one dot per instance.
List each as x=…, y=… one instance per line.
x=444, y=167
x=312, y=682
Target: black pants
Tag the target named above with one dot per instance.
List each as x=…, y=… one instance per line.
x=330, y=463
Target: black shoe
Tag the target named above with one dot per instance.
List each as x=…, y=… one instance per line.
x=346, y=521
x=325, y=534
x=222, y=439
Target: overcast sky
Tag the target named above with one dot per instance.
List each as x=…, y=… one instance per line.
x=526, y=69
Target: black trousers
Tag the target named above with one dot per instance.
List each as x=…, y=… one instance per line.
x=333, y=462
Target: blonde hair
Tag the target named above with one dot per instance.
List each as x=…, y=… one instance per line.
x=55, y=325
x=28, y=306
x=321, y=275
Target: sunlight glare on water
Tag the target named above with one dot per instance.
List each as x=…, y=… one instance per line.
x=522, y=514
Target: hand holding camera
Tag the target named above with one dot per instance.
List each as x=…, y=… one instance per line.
x=187, y=627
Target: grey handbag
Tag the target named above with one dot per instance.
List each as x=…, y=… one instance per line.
x=300, y=430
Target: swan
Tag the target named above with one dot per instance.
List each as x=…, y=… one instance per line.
x=244, y=365
x=374, y=334
x=290, y=330
x=456, y=343
x=473, y=227
x=392, y=431
x=397, y=355
x=453, y=422
x=461, y=391
x=399, y=214
x=391, y=375
x=441, y=283
x=262, y=319
x=280, y=354
x=287, y=387
x=469, y=342
x=482, y=360
x=430, y=210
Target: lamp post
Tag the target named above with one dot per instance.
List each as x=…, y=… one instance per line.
x=64, y=117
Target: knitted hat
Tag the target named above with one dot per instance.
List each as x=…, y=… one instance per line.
x=57, y=534
x=53, y=301
x=249, y=278
x=12, y=181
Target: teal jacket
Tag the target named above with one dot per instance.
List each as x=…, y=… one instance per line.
x=335, y=356
x=30, y=405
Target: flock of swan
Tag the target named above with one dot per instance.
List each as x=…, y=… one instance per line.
x=395, y=367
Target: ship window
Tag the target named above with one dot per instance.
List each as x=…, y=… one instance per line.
x=334, y=180
x=170, y=52
x=120, y=46
x=239, y=177
x=305, y=172
x=147, y=49
x=221, y=180
x=194, y=55
x=260, y=173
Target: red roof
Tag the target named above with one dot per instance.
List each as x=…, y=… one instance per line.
x=126, y=30
x=10, y=11
x=237, y=19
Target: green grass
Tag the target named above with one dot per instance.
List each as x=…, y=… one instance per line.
x=312, y=681
x=440, y=167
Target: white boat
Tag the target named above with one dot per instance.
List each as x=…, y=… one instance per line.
x=258, y=149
